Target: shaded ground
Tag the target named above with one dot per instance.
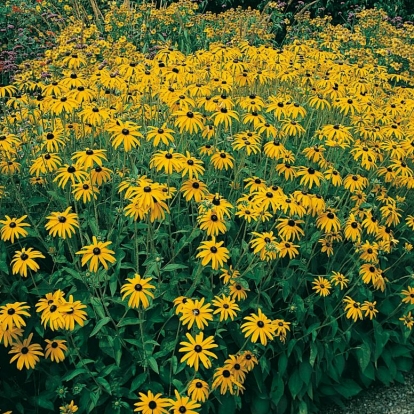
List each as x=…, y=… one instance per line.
x=396, y=399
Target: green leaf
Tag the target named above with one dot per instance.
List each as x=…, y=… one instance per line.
x=138, y=381
x=113, y=284
x=130, y=321
x=117, y=350
x=381, y=339
x=100, y=325
x=72, y=374
x=313, y=354
x=44, y=401
x=303, y=407
x=363, y=356
x=277, y=390
x=348, y=388
x=97, y=305
x=295, y=383
x=105, y=384
x=227, y=404
x=153, y=364
x=171, y=267
x=282, y=364
x=305, y=372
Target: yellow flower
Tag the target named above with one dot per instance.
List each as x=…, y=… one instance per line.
x=26, y=354
x=258, y=327
x=13, y=228
x=96, y=253
x=139, y=291
x=322, y=286
x=198, y=350
x=63, y=224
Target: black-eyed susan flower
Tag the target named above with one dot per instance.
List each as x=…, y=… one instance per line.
x=70, y=408
x=338, y=279
x=281, y=328
x=26, y=354
x=10, y=335
x=85, y=190
x=152, y=403
x=222, y=160
x=289, y=229
x=352, y=309
x=188, y=121
x=226, y=307
x=322, y=286
x=100, y=175
x=169, y=161
x=126, y=134
x=139, y=290
x=408, y=295
x=62, y=224
x=224, y=117
x=369, y=252
x=198, y=390
x=194, y=189
x=96, y=253
x=217, y=203
x=213, y=252
x=408, y=320
x=258, y=327
x=352, y=229
x=226, y=380
x=11, y=315
x=44, y=164
x=355, y=182
x=52, y=315
x=212, y=223
x=264, y=244
x=198, y=350
x=55, y=349
x=309, y=176
x=235, y=363
x=369, y=272
x=191, y=166
x=196, y=312
x=287, y=248
x=237, y=290
x=24, y=259
x=249, y=360
x=410, y=221
x=328, y=221
x=89, y=157
x=157, y=135
x=369, y=309
x=72, y=173
x=13, y=228
x=183, y=404
x=73, y=313
x=54, y=140
x=229, y=275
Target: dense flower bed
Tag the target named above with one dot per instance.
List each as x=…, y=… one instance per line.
x=229, y=228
